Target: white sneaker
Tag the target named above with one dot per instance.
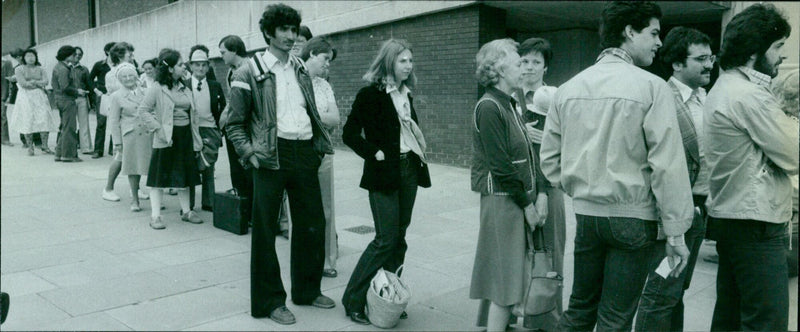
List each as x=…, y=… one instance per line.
x=143, y=195
x=110, y=196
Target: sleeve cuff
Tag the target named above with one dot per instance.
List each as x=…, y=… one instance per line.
x=676, y=240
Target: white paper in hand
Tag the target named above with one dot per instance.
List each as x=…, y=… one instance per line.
x=663, y=269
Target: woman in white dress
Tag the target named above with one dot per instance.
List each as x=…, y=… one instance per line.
x=32, y=113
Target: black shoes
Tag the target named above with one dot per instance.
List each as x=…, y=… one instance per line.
x=97, y=155
x=404, y=315
x=358, y=317
x=329, y=273
x=4, y=304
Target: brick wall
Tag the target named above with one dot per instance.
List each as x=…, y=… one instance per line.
x=61, y=18
x=444, y=46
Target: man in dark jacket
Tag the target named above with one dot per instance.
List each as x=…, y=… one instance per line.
x=276, y=129
x=98, y=78
x=7, y=70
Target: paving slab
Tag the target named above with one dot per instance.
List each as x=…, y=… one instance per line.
x=30, y=312
x=73, y=261
x=99, y=321
x=23, y=283
x=108, y=294
x=180, y=311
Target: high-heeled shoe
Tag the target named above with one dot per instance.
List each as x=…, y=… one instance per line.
x=358, y=317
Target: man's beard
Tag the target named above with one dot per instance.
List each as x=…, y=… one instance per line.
x=763, y=66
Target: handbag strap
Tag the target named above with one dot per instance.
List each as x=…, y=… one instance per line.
x=535, y=239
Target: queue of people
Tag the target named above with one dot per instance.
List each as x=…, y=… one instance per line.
x=653, y=166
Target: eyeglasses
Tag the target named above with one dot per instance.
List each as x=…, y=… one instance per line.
x=703, y=58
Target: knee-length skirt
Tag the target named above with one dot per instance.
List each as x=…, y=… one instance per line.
x=174, y=166
x=137, y=147
x=498, y=273
x=32, y=113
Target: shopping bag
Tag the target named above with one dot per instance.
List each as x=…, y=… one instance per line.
x=387, y=298
x=541, y=289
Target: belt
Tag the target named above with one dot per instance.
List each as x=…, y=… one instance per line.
x=405, y=155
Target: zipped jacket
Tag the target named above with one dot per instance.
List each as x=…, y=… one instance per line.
x=752, y=150
x=612, y=142
x=252, y=124
x=503, y=163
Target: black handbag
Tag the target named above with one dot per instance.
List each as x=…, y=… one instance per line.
x=541, y=289
x=228, y=211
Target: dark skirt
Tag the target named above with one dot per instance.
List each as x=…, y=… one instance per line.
x=174, y=166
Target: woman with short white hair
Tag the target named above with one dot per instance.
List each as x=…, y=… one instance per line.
x=503, y=173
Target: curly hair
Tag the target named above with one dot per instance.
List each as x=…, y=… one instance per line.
x=490, y=57
x=64, y=52
x=118, y=52
x=751, y=32
x=275, y=16
x=167, y=58
x=677, y=42
x=619, y=14
x=540, y=45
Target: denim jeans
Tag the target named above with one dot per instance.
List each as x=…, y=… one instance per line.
x=752, y=277
x=661, y=307
x=298, y=176
x=611, y=259
x=391, y=212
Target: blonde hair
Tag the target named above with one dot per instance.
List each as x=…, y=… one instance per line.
x=383, y=65
x=489, y=57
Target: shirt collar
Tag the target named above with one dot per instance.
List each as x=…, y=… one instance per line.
x=391, y=87
x=686, y=91
x=617, y=52
x=271, y=61
x=195, y=80
x=756, y=76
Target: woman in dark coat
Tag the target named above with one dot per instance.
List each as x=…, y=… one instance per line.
x=393, y=149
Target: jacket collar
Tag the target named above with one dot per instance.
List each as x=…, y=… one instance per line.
x=615, y=52
x=756, y=76
x=501, y=96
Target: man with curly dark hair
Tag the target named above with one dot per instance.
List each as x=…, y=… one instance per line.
x=752, y=150
x=276, y=130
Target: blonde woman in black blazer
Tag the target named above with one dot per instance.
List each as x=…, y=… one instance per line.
x=394, y=164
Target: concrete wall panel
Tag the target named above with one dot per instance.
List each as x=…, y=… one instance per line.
x=115, y=10
x=61, y=18
x=16, y=25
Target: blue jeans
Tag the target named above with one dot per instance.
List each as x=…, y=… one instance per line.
x=611, y=256
x=661, y=307
x=752, y=278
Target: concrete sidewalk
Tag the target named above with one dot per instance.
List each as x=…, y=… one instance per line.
x=72, y=261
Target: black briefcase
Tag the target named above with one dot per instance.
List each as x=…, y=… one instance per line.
x=228, y=207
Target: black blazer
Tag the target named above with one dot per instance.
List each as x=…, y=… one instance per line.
x=217, y=99
x=374, y=114
x=215, y=95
